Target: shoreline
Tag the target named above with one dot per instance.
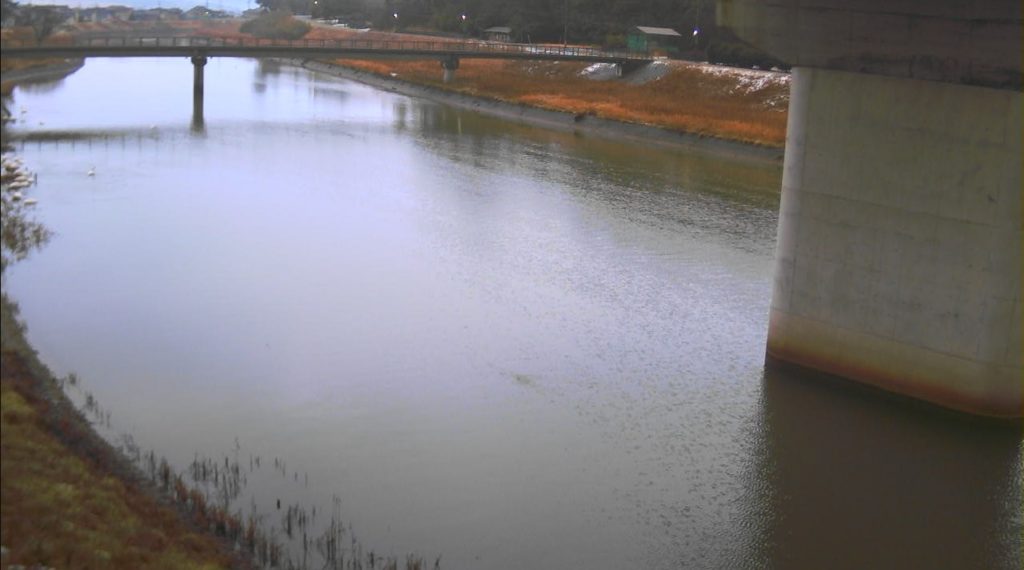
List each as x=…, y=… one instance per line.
x=27, y=378
x=77, y=457
x=40, y=73
x=585, y=125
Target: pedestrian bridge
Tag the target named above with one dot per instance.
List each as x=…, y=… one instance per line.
x=200, y=48
x=204, y=46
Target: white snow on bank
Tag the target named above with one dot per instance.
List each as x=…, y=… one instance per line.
x=651, y=72
x=601, y=72
x=745, y=81
x=751, y=81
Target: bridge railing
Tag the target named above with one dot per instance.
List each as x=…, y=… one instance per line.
x=340, y=45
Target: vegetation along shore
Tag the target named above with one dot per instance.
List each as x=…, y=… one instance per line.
x=69, y=499
x=674, y=100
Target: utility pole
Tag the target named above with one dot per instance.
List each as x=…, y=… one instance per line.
x=565, y=23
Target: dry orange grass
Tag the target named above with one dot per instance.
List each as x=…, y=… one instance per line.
x=687, y=99
x=61, y=508
x=14, y=64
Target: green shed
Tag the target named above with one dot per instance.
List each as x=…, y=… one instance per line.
x=654, y=41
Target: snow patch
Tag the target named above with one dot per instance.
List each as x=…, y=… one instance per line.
x=601, y=71
x=651, y=72
x=749, y=81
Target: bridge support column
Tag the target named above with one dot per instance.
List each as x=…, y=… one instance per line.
x=198, y=63
x=899, y=248
x=449, y=64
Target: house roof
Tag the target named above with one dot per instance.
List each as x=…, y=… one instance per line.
x=499, y=30
x=658, y=31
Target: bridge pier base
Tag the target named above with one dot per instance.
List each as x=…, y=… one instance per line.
x=898, y=261
x=198, y=63
x=449, y=64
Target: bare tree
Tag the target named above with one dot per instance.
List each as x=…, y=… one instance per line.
x=42, y=19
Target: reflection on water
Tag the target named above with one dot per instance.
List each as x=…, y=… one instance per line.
x=20, y=231
x=40, y=86
x=855, y=479
x=514, y=347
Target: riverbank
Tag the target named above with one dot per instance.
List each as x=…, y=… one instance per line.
x=69, y=499
x=583, y=121
x=27, y=71
x=670, y=102
x=698, y=106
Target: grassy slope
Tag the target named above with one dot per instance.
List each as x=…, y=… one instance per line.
x=688, y=98
x=705, y=100
x=59, y=510
x=62, y=502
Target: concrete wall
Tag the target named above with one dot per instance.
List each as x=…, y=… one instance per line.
x=899, y=252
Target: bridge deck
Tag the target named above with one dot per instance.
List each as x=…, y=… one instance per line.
x=254, y=47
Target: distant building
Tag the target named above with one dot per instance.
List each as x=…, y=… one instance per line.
x=104, y=14
x=653, y=41
x=157, y=15
x=498, y=34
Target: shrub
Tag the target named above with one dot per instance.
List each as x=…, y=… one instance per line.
x=278, y=25
x=741, y=55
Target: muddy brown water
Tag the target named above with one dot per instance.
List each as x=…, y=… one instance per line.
x=507, y=346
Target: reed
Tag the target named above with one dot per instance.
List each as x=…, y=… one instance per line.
x=112, y=524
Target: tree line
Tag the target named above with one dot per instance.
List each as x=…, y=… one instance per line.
x=594, y=22
x=531, y=20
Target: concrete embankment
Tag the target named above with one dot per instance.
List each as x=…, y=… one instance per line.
x=584, y=124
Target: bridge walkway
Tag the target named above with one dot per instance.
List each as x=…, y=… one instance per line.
x=160, y=46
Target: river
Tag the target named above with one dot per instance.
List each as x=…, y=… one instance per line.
x=469, y=338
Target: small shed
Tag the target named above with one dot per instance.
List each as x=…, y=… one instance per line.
x=655, y=41
x=498, y=34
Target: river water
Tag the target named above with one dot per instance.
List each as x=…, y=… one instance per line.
x=469, y=338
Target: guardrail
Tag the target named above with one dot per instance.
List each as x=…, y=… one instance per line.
x=465, y=48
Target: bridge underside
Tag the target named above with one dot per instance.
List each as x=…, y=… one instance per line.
x=899, y=255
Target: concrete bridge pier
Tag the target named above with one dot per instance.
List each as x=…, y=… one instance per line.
x=898, y=261
x=449, y=64
x=198, y=63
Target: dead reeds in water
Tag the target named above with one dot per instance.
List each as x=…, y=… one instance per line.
x=210, y=490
